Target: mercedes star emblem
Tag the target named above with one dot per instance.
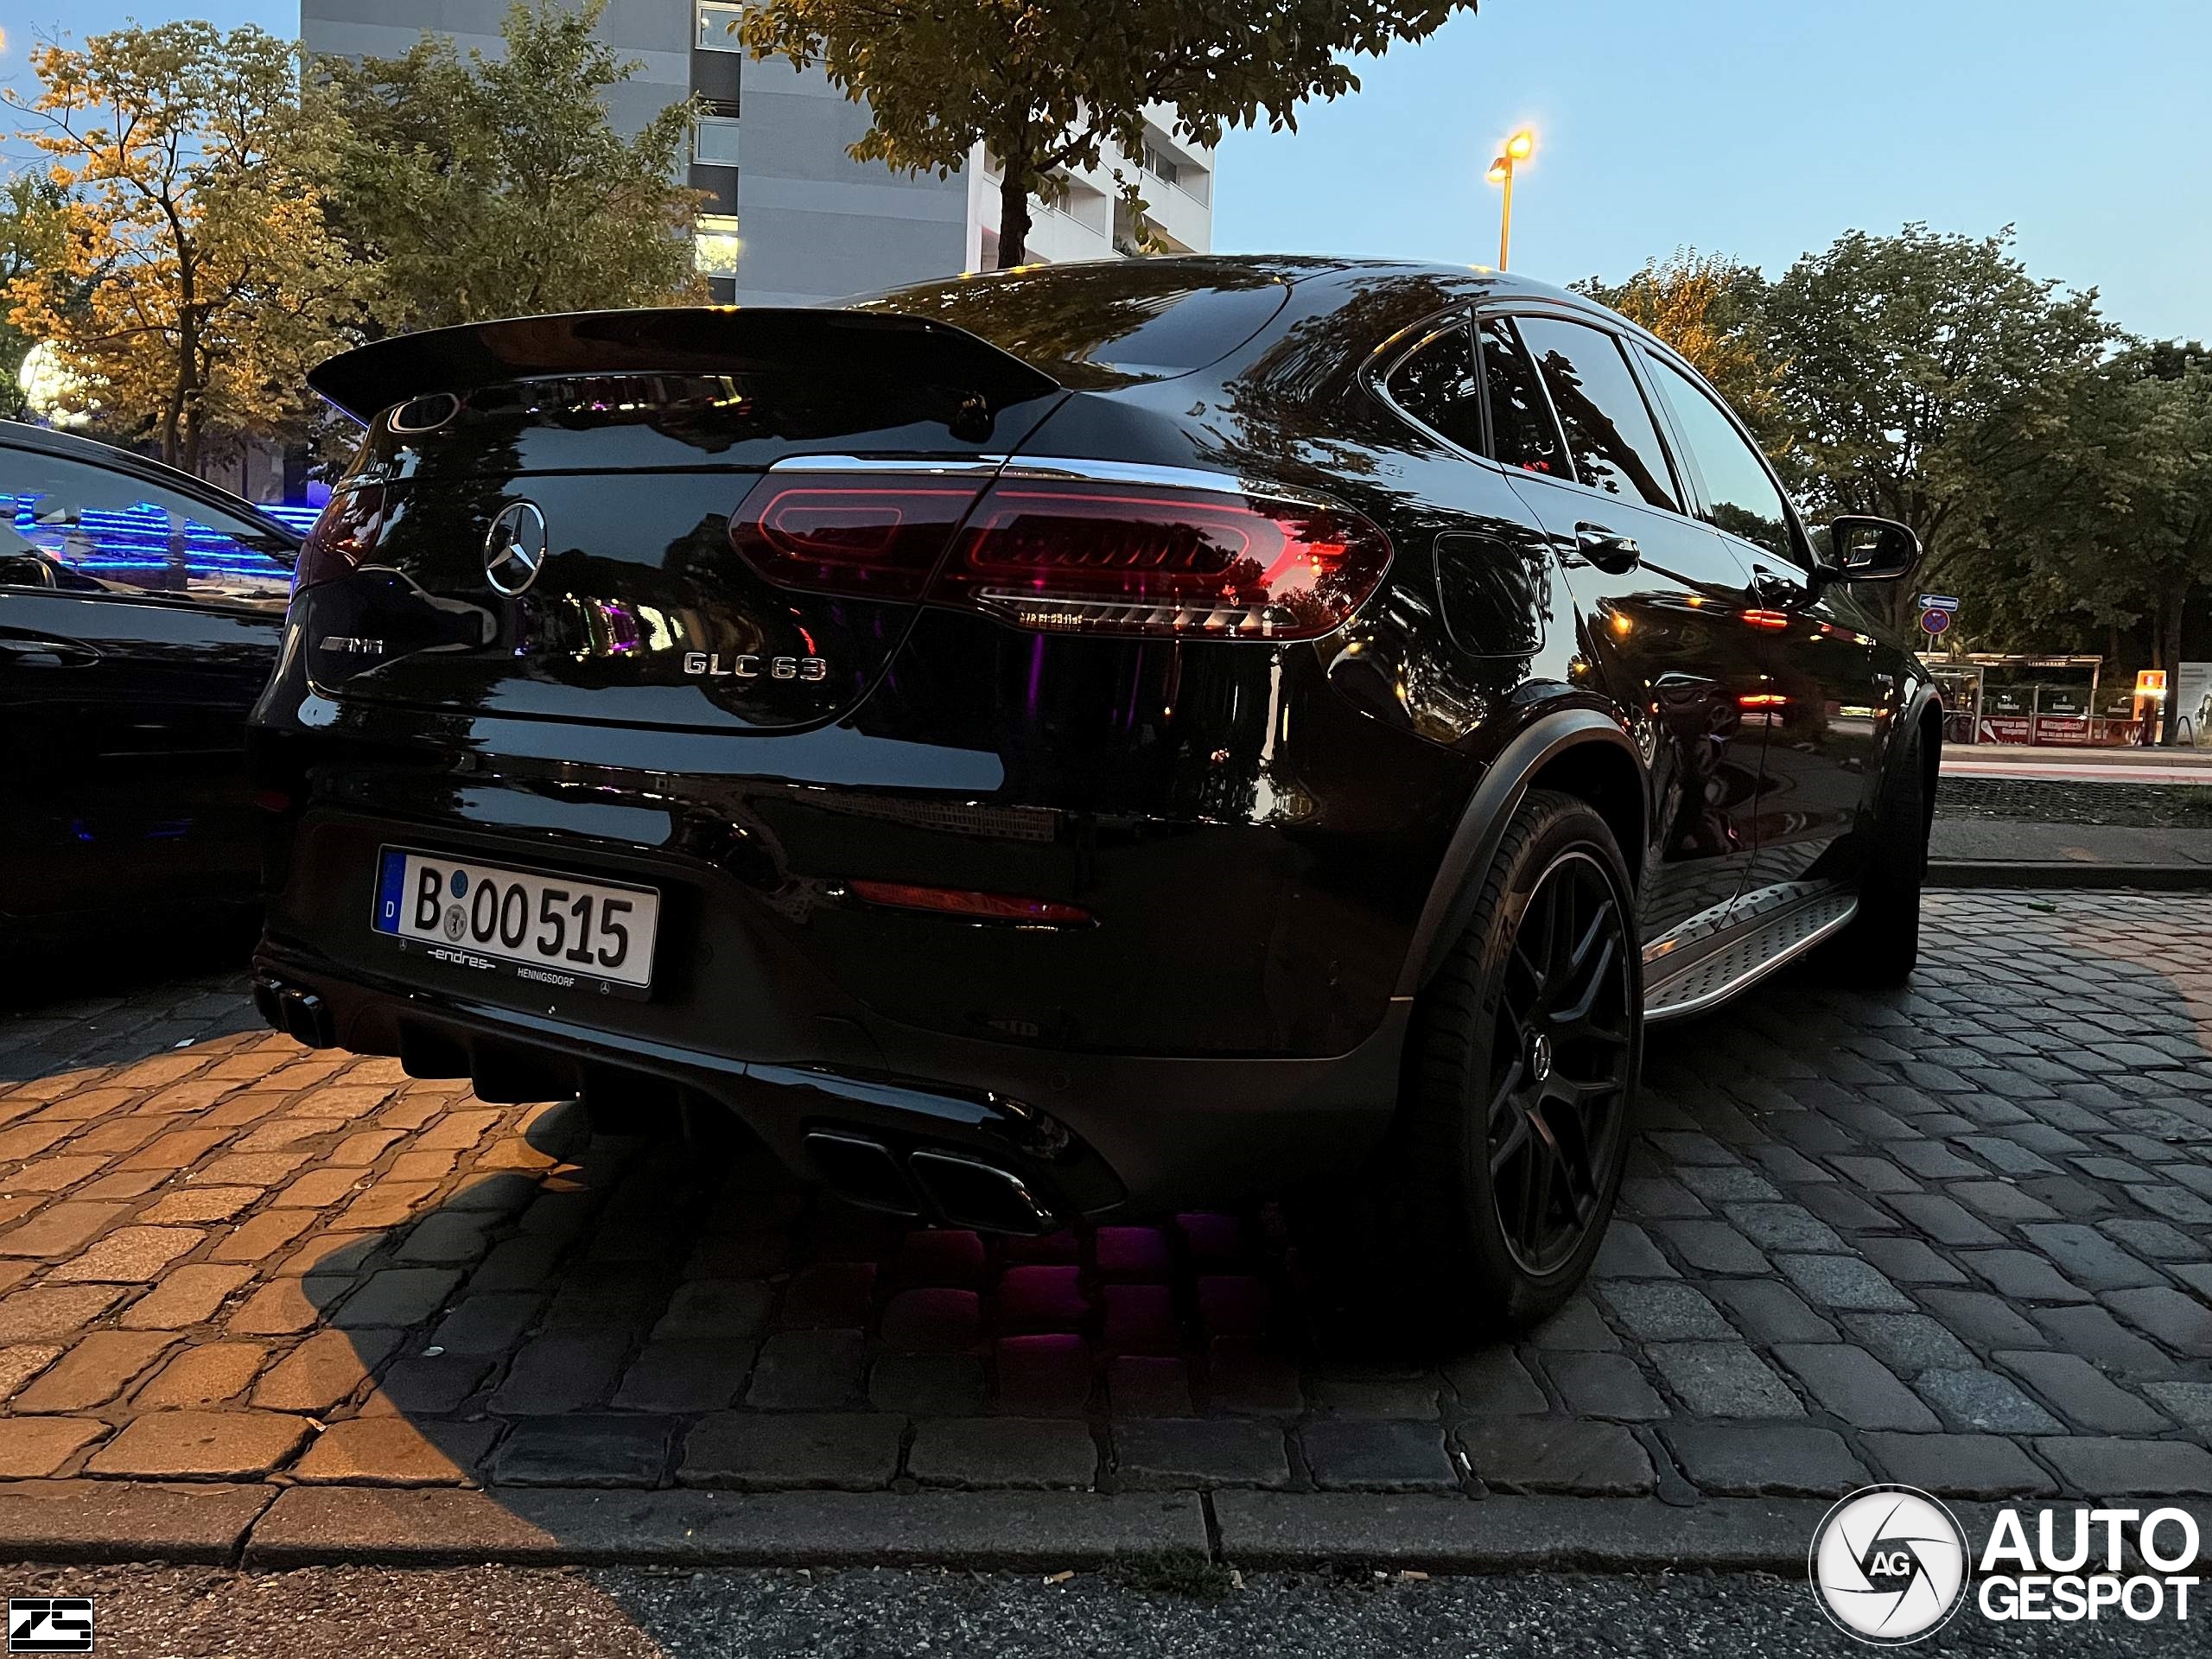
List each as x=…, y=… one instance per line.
x=514, y=548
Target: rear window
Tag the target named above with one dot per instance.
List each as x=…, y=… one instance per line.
x=1102, y=324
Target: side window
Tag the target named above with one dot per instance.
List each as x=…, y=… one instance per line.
x=1522, y=432
x=82, y=528
x=1436, y=385
x=1609, y=432
x=1742, y=492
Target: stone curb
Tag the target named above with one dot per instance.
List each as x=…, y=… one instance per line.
x=309, y=1526
x=2024, y=873
x=126, y=1520
x=70, y=1522
x=1500, y=1534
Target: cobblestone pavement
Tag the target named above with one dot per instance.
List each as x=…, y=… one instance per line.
x=1956, y=1237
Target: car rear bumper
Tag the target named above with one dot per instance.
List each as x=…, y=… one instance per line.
x=1080, y=1135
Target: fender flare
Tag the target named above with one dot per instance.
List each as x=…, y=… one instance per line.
x=1457, y=884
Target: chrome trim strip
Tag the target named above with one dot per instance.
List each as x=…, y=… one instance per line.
x=1698, y=1005
x=1127, y=472
x=972, y=466
x=1053, y=467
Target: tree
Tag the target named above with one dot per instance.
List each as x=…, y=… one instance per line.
x=1047, y=84
x=29, y=221
x=1710, y=308
x=190, y=280
x=495, y=186
x=1923, y=373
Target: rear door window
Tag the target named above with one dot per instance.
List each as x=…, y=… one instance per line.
x=1436, y=384
x=1522, y=432
x=1609, y=432
x=85, y=529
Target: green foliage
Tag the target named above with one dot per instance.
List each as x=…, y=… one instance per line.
x=1922, y=370
x=497, y=187
x=1048, y=84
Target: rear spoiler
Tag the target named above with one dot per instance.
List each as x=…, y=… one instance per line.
x=700, y=340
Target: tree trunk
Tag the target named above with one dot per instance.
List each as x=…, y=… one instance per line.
x=1014, y=213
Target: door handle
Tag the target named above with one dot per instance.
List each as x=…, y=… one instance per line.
x=1774, y=591
x=65, y=653
x=1614, y=554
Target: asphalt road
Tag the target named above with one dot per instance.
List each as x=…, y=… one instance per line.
x=501, y=1613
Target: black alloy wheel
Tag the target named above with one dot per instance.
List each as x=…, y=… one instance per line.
x=1495, y=1189
x=1560, y=1066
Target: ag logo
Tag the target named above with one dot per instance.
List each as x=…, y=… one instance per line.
x=1889, y=1565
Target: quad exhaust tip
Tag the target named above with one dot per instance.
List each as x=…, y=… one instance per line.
x=964, y=1191
x=300, y=1014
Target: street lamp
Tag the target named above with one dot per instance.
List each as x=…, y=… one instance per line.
x=1519, y=147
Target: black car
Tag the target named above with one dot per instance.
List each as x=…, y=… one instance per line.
x=1065, y=741
x=140, y=611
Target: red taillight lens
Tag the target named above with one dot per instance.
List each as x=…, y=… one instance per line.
x=979, y=907
x=1107, y=558
x=826, y=534
x=1069, y=555
x=341, y=538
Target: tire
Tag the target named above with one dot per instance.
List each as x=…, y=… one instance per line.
x=1497, y=1188
x=1881, y=944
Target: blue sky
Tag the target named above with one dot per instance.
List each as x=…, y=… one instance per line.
x=1757, y=128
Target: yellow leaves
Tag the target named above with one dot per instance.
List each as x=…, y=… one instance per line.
x=193, y=281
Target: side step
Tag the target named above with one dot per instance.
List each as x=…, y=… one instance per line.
x=1750, y=952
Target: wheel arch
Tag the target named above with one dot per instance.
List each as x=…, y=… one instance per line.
x=1581, y=752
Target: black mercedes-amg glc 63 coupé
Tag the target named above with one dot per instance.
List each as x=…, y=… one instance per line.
x=1069, y=739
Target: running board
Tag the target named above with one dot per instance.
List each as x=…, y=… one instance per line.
x=1763, y=946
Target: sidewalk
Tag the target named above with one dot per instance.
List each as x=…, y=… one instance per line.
x=2061, y=763
x=1974, y=853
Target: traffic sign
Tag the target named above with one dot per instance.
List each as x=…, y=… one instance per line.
x=1934, y=621
x=1938, y=602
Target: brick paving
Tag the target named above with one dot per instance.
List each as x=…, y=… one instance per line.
x=1956, y=1235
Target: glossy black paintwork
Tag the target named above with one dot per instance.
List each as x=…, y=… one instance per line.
x=1261, y=831
x=123, y=716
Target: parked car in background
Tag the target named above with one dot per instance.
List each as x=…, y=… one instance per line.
x=140, y=612
x=1061, y=741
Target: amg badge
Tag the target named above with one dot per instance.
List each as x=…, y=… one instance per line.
x=752, y=665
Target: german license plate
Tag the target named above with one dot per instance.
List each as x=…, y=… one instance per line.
x=550, y=929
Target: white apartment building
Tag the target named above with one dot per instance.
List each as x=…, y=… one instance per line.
x=790, y=218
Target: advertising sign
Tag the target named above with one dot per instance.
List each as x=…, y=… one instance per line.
x=2062, y=714
x=2006, y=713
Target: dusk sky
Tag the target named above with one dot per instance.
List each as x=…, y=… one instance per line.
x=1747, y=127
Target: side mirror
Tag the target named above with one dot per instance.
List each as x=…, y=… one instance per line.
x=1860, y=548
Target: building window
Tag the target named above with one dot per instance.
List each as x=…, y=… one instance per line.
x=715, y=244
x=1160, y=164
x=715, y=143
x=718, y=25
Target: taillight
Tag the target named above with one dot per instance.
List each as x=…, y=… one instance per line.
x=1074, y=556
x=830, y=534
x=341, y=538
x=1071, y=555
